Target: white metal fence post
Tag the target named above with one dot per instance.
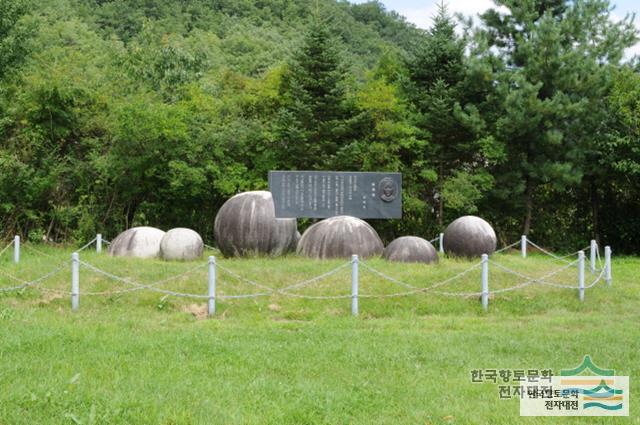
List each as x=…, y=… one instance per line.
x=607, y=264
x=211, y=307
x=16, y=249
x=523, y=246
x=75, y=281
x=354, y=285
x=581, y=275
x=593, y=246
x=441, y=242
x=99, y=243
x=485, y=281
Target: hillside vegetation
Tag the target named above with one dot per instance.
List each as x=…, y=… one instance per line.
x=121, y=113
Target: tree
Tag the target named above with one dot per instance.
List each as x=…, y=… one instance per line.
x=51, y=122
x=13, y=33
x=550, y=57
x=458, y=149
x=316, y=117
x=389, y=142
x=618, y=164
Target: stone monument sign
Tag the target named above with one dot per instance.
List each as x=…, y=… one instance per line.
x=322, y=194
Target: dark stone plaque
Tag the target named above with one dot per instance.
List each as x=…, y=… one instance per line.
x=322, y=194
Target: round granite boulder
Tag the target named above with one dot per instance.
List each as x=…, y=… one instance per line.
x=411, y=249
x=247, y=225
x=285, y=236
x=181, y=244
x=140, y=242
x=340, y=237
x=469, y=236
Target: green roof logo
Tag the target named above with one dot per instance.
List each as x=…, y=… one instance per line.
x=587, y=364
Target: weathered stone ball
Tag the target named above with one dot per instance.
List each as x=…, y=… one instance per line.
x=141, y=242
x=247, y=225
x=469, y=236
x=340, y=237
x=411, y=249
x=285, y=236
x=181, y=244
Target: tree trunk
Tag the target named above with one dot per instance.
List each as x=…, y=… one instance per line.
x=594, y=209
x=130, y=214
x=440, y=198
x=529, y=206
x=48, y=236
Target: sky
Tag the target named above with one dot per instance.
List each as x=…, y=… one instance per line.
x=420, y=12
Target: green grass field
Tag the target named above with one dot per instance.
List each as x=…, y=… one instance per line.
x=144, y=358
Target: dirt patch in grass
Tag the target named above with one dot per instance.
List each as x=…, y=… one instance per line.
x=275, y=307
x=199, y=311
x=49, y=297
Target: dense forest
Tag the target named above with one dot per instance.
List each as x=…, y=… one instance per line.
x=115, y=113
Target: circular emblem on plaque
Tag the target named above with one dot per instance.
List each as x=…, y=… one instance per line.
x=387, y=189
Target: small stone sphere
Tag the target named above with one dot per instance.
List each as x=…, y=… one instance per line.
x=246, y=225
x=469, y=236
x=411, y=249
x=140, y=242
x=340, y=237
x=181, y=244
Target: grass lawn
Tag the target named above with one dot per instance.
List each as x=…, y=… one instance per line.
x=144, y=358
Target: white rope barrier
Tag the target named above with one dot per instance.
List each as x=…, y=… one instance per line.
x=87, y=245
x=506, y=247
x=153, y=286
x=267, y=290
x=600, y=263
x=243, y=279
x=416, y=289
x=285, y=290
x=10, y=276
x=136, y=286
x=6, y=248
x=513, y=288
x=541, y=280
x=318, y=297
x=37, y=251
x=315, y=279
x=26, y=284
x=560, y=258
x=600, y=276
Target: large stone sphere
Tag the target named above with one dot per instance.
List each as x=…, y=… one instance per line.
x=247, y=225
x=340, y=237
x=469, y=236
x=141, y=242
x=411, y=249
x=181, y=244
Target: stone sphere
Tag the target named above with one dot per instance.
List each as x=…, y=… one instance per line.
x=140, y=242
x=181, y=244
x=340, y=237
x=469, y=236
x=411, y=249
x=247, y=225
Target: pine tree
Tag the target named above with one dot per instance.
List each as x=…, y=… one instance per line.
x=439, y=89
x=551, y=59
x=314, y=121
